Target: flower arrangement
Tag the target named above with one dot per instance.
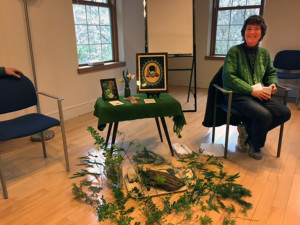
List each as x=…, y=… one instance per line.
x=126, y=78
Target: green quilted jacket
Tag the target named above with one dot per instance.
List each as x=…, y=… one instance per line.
x=237, y=73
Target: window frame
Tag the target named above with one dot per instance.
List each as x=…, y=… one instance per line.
x=215, y=11
x=114, y=36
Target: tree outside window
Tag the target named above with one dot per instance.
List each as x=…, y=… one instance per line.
x=228, y=20
x=94, y=27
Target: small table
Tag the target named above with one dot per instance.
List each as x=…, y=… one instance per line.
x=165, y=105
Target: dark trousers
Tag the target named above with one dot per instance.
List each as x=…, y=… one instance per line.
x=260, y=116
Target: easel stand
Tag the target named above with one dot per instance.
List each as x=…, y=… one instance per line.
x=192, y=76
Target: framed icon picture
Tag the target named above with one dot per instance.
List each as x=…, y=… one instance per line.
x=152, y=71
x=109, y=89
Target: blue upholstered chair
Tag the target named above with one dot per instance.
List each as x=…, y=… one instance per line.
x=220, y=112
x=17, y=94
x=287, y=64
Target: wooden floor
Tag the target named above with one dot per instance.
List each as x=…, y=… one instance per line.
x=40, y=189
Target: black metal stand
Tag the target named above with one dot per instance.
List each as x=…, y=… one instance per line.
x=192, y=76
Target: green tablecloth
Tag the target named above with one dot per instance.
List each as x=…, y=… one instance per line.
x=165, y=105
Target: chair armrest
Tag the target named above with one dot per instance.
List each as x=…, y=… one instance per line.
x=285, y=93
x=284, y=88
x=222, y=89
x=287, y=71
x=50, y=96
x=59, y=105
x=224, y=92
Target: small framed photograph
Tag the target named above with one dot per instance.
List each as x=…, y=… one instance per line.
x=109, y=89
x=152, y=71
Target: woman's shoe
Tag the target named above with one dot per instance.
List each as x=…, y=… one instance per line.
x=254, y=154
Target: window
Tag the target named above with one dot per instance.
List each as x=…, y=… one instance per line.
x=228, y=20
x=95, y=28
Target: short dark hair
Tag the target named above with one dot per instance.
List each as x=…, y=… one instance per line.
x=255, y=20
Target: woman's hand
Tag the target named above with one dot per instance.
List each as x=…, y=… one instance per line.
x=261, y=95
x=274, y=88
x=13, y=72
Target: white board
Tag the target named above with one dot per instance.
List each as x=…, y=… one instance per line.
x=170, y=26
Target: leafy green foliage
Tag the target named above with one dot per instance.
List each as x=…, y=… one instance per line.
x=90, y=197
x=153, y=214
x=144, y=174
x=160, y=179
x=208, y=188
x=227, y=221
x=106, y=210
x=167, y=205
x=205, y=220
x=182, y=204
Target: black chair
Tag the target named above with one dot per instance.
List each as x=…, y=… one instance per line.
x=287, y=64
x=220, y=112
x=17, y=94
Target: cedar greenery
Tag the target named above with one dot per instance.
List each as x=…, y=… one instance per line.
x=208, y=188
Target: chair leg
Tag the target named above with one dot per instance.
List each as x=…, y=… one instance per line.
x=108, y=135
x=227, y=124
x=163, y=122
x=43, y=144
x=214, y=117
x=226, y=138
x=4, y=189
x=159, y=130
x=63, y=133
x=114, y=135
x=280, y=140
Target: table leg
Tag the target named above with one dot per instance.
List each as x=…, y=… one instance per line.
x=108, y=134
x=114, y=135
x=167, y=134
x=158, y=127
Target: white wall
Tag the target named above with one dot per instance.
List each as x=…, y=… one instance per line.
x=134, y=33
x=54, y=46
x=55, y=54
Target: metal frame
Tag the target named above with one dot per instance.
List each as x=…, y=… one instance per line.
x=62, y=125
x=296, y=73
x=229, y=114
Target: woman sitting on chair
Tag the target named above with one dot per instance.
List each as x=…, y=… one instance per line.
x=247, y=71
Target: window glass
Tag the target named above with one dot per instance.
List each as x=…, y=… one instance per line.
x=92, y=15
x=229, y=17
x=225, y=3
x=238, y=2
x=93, y=28
x=253, y=2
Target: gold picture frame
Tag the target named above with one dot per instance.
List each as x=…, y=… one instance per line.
x=152, y=72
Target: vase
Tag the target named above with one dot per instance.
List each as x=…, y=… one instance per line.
x=127, y=91
x=114, y=175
